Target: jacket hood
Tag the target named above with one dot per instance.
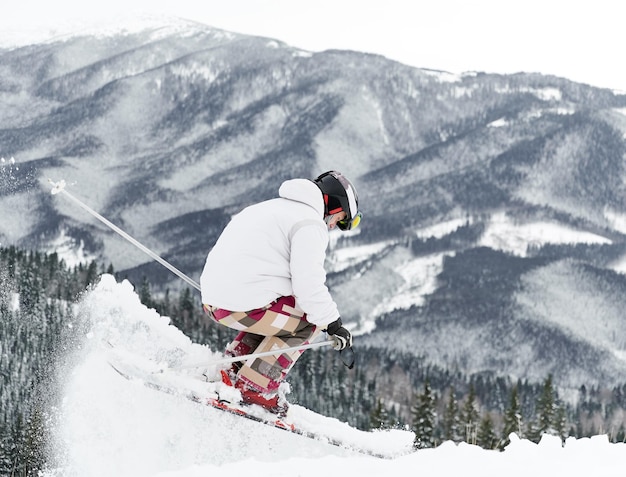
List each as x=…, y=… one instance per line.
x=305, y=191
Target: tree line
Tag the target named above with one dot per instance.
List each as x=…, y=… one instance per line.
x=467, y=424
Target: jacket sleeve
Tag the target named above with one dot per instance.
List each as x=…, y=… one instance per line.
x=308, y=277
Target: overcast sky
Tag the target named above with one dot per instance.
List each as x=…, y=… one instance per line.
x=583, y=40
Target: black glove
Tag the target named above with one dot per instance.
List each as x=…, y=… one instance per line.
x=342, y=337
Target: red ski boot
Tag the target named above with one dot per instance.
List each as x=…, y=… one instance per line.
x=270, y=402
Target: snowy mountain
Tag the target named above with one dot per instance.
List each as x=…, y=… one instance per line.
x=107, y=425
x=493, y=239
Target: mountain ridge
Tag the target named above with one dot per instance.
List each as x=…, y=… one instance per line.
x=168, y=131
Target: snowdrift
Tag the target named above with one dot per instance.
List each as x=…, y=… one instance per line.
x=111, y=426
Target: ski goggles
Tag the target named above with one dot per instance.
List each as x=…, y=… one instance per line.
x=350, y=224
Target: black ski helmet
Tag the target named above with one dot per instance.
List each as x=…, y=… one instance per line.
x=339, y=194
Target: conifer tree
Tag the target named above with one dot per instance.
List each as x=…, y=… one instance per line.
x=10, y=450
x=470, y=417
x=486, y=435
x=560, y=422
x=379, y=417
x=550, y=418
x=32, y=455
x=546, y=408
x=186, y=304
x=92, y=274
x=144, y=293
x=512, y=420
x=424, y=415
x=451, y=418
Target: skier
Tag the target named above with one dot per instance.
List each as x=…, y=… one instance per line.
x=265, y=278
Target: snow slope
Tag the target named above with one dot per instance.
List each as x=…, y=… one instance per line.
x=110, y=426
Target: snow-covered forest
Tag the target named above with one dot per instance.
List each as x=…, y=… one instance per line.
x=42, y=326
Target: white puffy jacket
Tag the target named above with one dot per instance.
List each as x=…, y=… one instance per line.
x=271, y=249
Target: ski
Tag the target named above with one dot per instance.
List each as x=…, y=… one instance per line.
x=262, y=417
x=212, y=401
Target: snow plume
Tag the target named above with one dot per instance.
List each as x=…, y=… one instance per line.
x=109, y=426
x=8, y=170
x=16, y=178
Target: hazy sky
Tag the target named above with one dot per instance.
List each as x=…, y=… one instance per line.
x=583, y=40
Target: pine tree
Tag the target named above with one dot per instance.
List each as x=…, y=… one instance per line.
x=550, y=417
x=379, y=417
x=470, y=417
x=166, y=306
x=13, y=454
x=560, y=422
x=451, y=418
x=32, y=455
x=424, y=416
x=512, y=420
x=92, y=274
x=186, y=304
x=486, y=436
x=546, y=408
x=144, y=293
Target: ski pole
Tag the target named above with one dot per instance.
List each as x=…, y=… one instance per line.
x=234, y=359
x=59, y=187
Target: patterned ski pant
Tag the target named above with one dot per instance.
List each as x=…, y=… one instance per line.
x=277, y=325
